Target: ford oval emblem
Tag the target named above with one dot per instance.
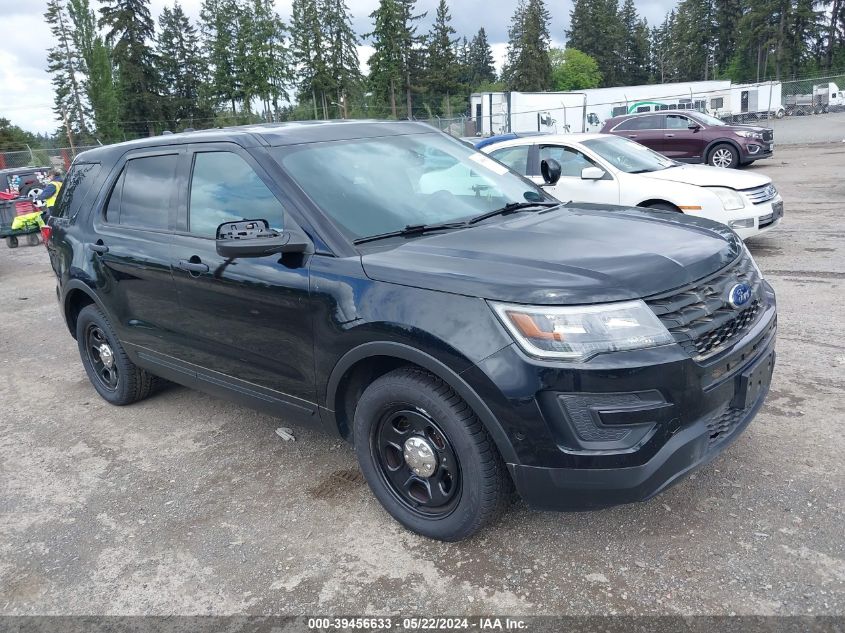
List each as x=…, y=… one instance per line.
x=739, y=295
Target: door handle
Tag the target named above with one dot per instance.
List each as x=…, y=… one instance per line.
x=632, y=136
x=99, y=248
x=193, y=267
x=670, y=136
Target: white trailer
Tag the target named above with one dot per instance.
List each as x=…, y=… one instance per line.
x=748, y=102
x=583, y=111
x=826, y=97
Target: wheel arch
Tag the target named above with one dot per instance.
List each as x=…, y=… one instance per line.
x=721, y=141
x=363, y=364
x=651, y=201
x=77, y=295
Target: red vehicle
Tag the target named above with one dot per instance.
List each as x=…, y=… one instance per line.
x=695, y=137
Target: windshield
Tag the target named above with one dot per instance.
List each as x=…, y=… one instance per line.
x=709, y=120
x=379, y=185
x=628, y=156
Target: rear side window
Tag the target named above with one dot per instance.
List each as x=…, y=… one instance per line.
x=514, y=157
x=142, y=195
x=642, y=123
x=225, y=188
x=76, y=189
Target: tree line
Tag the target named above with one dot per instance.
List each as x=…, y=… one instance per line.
x=119, y=73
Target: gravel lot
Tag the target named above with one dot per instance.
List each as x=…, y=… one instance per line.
x=183, y=504
x=818, y=128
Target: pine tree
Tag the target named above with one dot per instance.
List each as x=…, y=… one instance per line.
x=307, y=52
x=411, y=55
x=595, y=28
x=130, y=30
x=64, y=62
x=342, y=67
x=219, y=26
x=480, y=60
x=528, y=67
x=386, y=63
x=441, y=71
x=180, y=65
x=635, y=45
x=98, y=77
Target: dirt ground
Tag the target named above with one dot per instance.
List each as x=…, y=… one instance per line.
x=183, y=504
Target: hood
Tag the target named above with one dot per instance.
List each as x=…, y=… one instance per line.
x=588, y=254
x=707, y=176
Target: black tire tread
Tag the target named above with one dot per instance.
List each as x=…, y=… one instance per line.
x=496, y=481
x=139, y=383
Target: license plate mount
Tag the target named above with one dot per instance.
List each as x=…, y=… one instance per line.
x=753, y=382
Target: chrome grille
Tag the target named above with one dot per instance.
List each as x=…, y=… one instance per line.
x=759, y=195
x=699, y=317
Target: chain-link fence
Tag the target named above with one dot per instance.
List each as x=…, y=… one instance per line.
x=60, y=157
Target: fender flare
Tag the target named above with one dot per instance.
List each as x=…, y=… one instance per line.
x=426, y=361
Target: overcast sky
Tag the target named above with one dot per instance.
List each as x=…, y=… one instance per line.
x=26, y=92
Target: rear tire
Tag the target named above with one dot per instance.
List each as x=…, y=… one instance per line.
x=12, y=241
x=32, y=239
x=463, y=486
x=724, y=156
x=116, y=378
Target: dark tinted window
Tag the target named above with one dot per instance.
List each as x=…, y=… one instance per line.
x=225, y=188
x=143, y=193
x=76, y=189
x=514, y=157
x=642, y=123
x=619, y=110
x=717, y=102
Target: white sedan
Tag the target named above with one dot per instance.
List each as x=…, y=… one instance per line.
x=613, y=170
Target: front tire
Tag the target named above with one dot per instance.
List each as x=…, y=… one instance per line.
x=116, y=378
x=427, y=457
x=724, y=156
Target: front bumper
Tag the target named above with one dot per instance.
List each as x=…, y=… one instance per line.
x=761, y=217
x=680, y=414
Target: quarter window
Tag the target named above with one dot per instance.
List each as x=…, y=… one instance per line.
x=514, y=157
x=75, y=189
x=142, y=195
x=225, y=188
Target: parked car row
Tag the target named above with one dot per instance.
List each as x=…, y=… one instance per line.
x=607, y=169
x=467, y=332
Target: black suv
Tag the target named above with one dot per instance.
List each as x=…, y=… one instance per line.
x=465, y=331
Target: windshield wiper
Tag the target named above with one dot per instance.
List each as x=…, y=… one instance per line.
x=510, y=208
x=412, y=229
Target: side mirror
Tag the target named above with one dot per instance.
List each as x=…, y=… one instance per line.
x=551, y=170
x=255, y=238
x=695, y=127
x=592, y=173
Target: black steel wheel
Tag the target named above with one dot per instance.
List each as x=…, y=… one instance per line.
x=417, y=462
x=116, y=378
x=427, y=457
x=101, y=357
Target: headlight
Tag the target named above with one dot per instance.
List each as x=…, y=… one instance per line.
x=577, y=333
x=747, y=134
x=731, y=200
x=751, y=257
